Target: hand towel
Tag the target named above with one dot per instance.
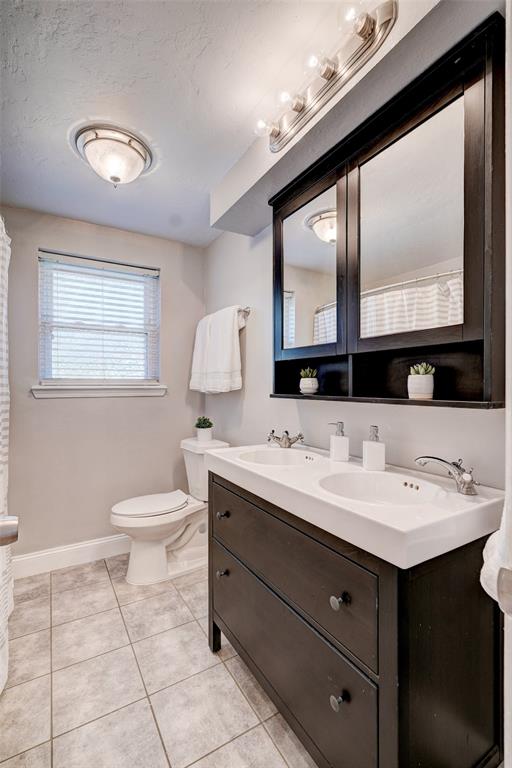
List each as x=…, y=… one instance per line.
x=216, y=364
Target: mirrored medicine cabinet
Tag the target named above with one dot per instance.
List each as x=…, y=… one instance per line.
x=390, y=250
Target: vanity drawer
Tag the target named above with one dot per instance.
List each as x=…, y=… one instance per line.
x=301, y=666
x=304, y=571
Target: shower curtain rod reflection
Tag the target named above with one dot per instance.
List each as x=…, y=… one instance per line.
x=412, y=282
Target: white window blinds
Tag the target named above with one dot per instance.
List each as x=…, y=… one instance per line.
x=288, y=319
x=98, y=321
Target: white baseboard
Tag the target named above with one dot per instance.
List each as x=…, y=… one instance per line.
x=69, y=554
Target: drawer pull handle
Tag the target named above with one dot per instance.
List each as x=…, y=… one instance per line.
x=220, y=574
x=337, y=602
x=337, y=701
x=220, y=515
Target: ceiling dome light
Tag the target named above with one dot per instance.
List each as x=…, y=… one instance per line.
x=323, y=224
x=116, y=155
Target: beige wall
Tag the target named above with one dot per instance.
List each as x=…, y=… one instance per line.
x=70, y=460
x=239, y=270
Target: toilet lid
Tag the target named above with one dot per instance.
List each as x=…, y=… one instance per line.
x=154, y=504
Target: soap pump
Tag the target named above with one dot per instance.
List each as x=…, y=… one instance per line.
x=339, y=448
x=374, y=452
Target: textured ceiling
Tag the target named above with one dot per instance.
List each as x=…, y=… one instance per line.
x=190, y=77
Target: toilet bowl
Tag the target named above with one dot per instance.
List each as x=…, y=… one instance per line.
x=168, y=531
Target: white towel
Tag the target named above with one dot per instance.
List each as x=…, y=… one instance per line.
x=216, y=364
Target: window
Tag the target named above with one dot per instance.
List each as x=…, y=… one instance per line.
x=288, y=319
x=99, y=322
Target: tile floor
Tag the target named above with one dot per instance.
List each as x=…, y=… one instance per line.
x=108, y=675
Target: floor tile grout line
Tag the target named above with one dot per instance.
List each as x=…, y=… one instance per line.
x=80, y=586
x=260, y=720
x=90, y=658
x=274, y=742
x=96, y=719
x=163, y=631
x=147, y=695
x=30, y=680
x=221, y=746
x=24, y=751
x=87, y=616
x=142, y=679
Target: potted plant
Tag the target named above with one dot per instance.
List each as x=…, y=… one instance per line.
x=420, y=382
x=204, y=429
x=308, y=381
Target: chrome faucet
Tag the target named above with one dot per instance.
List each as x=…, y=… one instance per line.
x=463, y=477
x=285, y=441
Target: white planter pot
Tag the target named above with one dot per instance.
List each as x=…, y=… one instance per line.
x=420, y=387
x=308, y=386
x=204, y=435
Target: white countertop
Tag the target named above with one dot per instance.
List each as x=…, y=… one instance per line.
x=402, y=534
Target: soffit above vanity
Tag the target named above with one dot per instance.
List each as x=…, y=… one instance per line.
x=421, y=36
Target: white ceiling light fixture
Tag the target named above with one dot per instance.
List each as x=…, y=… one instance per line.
x=115, y=154
x=323, y=224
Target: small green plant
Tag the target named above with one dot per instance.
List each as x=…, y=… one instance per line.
x=203, y=422
x=308, y=373
x=422, y=369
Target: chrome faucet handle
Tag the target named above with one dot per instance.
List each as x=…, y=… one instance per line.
x=468, y=480
x=270, y=435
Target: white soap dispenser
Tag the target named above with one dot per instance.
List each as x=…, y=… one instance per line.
x=339, y=449
x=374, y=452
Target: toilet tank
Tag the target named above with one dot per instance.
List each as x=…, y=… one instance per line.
x=195, y=464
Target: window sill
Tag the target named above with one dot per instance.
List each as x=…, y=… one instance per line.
x=52, y=391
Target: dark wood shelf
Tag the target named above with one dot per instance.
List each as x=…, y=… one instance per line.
x=487, y=404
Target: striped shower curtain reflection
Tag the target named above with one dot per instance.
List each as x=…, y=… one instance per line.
x=6, y=580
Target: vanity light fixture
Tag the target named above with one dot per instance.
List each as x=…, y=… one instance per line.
x=323, y=224
x=115, y=154
x=369, y=30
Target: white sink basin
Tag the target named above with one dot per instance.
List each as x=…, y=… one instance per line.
x=377, y=511
x=281, y=457
x=382, y=488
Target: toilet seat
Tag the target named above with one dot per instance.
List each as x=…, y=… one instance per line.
x=153, y=505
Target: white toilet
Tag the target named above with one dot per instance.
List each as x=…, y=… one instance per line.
x=168, y=530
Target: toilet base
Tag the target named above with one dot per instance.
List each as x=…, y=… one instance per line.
x=171, y=571
x=155, y=560
x=147, y=563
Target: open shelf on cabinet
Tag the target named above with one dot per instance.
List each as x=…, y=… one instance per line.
x=381, y=377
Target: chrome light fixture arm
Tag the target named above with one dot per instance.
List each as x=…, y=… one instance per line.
x=372, y=29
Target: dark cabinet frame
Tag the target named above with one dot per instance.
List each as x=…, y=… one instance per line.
x=337, y=178
x=474, y=71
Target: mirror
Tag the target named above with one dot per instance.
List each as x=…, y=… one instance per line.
x=309, y=273
x=412, y=229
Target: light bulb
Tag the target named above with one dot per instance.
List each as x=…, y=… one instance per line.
x=264, y=128
x=322, y=65
x=295, y=102
x=350, y=14
x=313, y=60
x=261, y=128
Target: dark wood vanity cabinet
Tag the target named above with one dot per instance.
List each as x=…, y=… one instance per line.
x=372, y=666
